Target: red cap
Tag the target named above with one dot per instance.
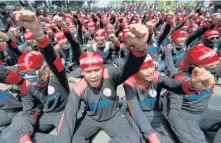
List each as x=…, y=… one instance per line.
x=210, y=33
x=148, y=62
x=90, y=20
x=59, y=35
x=178, y=34
x=91, y=59
x=108, y=26
x=30, y=61
x=90, y=24
x=29, y=35
x=99, y=32
x=199, y=55
x=192, y=26
x=12, y=28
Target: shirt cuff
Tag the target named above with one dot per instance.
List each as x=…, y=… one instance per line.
x=43, y=43
x=185, y=87
x=139, y=52
x=13, y=78
x=117, y=43
x=25, y=138
x=153, y=138
x=66, y=30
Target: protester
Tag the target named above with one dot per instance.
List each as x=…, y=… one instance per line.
x=65, y=66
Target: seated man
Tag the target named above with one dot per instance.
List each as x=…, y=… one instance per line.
x=98, y=91
x=144, y=100
x=189, y=115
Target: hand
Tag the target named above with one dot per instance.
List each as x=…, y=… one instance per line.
x=201, y=79
x=112, y=37
x=137, y=35
x=156, y=64
x=153, y=138
x=59, y=21
x=150, y=26
x=9, y=21
x=28, y=20
x=215, y=18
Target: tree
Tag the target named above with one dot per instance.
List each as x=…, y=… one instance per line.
x=79, y=3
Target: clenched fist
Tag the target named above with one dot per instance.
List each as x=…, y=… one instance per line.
x=112, y=37
x=28, y=20
x=201, y=79
x=59, y=21
x=137, y=35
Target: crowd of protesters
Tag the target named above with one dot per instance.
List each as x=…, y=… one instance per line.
x=164, y=60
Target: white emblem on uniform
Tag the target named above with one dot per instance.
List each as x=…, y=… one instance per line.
x=51, y=90
x=162, y=74
x=3, y=86
x=152, y=93
x=107, y=92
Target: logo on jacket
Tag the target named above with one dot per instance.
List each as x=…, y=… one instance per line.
x=51, y=89
x=107, y=92
x=3, y=86
x=152, y=93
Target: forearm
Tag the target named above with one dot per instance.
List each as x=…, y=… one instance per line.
x=164, y=33
x=177, y=86
x=8, y=76
x=75, y=47
x=131, y=66
x=53, y=61
x=4, y=36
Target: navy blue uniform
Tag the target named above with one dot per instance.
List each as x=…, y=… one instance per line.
x=189, y=116
x=102, y=110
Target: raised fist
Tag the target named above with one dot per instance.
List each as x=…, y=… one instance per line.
x=112, y=37
x=215, y=18
x=59, y=21
x=28, y=20
x=201, y=79
x=137, y=35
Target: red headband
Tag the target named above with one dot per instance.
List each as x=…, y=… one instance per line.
x=210, y=33
x=100, y=32
x=148, y=62
x=91, y=24
x=28, y=35
x=91, y=59
x=59, y=35
x=178, y=34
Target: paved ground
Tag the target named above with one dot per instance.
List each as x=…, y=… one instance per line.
x=215, y=103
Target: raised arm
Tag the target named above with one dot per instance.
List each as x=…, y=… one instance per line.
x=137, y=36
x=29, y=21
